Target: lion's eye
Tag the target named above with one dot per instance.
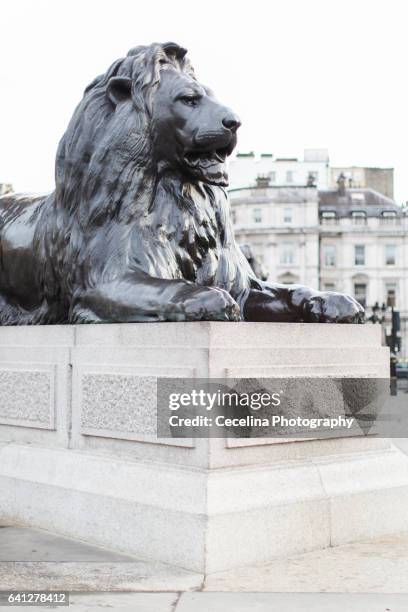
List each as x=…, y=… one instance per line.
x=190, y=100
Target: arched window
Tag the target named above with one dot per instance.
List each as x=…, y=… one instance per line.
x=360, y=288
x=360, y=293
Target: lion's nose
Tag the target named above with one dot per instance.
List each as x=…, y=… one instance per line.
x=232, y=122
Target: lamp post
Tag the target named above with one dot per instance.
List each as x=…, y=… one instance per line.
x=379, y=316
x=393, y=340
x=376, y=309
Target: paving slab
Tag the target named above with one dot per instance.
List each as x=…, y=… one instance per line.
x=35, y=559
x=138, y=576
x=25, y=544
x=375, y=566
x=233, y=602
x=285, y=602
x=124, y=602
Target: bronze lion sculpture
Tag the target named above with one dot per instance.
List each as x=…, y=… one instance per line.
x=138, y=227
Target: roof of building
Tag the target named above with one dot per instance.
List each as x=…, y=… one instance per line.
x=338, y=168
x=271, y=193
x=365, y=200
x=342, y=202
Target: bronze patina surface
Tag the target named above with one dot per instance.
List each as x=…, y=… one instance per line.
x=138, y=227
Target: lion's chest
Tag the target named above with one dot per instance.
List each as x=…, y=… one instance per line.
x=195, y=251
x=188, y=239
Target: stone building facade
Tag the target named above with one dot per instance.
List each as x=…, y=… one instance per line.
x=281, y=225
x=340, y=239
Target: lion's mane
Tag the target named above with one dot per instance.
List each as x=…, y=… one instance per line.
x=104, y=171
x=92, y=146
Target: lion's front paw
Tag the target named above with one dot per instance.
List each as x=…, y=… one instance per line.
x=211, y=304
x=333, y=307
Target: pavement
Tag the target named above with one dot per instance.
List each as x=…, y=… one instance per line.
x=36, y=559
x=231, y=602
x=368, y=576
x=374, y=566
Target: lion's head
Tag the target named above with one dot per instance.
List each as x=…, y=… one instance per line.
x=147, y=113
x=192, y=131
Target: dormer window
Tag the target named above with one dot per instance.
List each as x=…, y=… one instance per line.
x=359, y=217
x=329, y=217
x=388, y=217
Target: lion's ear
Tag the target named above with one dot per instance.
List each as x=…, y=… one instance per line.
x=119, y=89
x=171, y=48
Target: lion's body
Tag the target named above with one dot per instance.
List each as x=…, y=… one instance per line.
x=21, y=267
x=184, y=236
x=138, y=227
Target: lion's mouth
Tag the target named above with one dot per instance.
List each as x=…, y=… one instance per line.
x=206, y=159
x=208, y=166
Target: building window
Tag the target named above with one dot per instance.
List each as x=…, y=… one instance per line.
x=233, y=216
x=359, y=218
x=287, y=253
x=391, y=293
x=330, y=255
x=272, y=176
x=257, y=215
x=287, y=215
x=388, y=217
x=360, y=293
x=390, y=254
x=329, y=217
x=359, y=255
x=289, y=176
x=329, y=287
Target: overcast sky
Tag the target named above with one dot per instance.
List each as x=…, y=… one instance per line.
x=307, y=73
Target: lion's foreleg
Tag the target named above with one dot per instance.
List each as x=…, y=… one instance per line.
x=137, y=298
x=273, y=303
x=286, y=303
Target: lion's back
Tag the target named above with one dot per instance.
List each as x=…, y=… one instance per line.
x=19, y=265
x=20, y=208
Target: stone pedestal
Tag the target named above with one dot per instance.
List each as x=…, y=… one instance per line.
x=79, y=453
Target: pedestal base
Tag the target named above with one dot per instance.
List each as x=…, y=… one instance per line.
x=84, y=461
